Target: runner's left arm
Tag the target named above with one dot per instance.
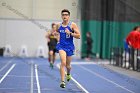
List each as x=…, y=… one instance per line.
x=76, y=32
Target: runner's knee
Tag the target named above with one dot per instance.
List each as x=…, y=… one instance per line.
x=63, y=63
x=51, y=52
x=68, y=66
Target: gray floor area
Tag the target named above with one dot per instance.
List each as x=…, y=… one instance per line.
x=106, y=64
x=128, y=72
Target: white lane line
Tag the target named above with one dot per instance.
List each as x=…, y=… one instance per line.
x=88, y=63
x=23, y=76
x=37, y=79
x=44, y=89
x=77, y=83
x=102, y=77
x=6, y=65
x=32, y=78
x=7, y=73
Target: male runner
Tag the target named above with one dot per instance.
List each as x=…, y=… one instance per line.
x=52, y=41
x=67, y=30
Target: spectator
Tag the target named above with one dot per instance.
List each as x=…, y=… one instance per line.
x=89, y=42
x=133, y=41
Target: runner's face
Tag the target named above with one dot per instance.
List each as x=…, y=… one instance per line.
x=54, y=27
x=138, y=29
x=65, y=16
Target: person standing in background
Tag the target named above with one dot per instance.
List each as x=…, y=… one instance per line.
x=89, y=42
x=133, y=38
x=133, y=41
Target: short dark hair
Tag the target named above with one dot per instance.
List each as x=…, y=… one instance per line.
x=53, y=24
x=136, y=27
x=65, y=10
x=89, y=33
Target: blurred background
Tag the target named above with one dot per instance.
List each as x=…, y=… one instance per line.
x=24, y=23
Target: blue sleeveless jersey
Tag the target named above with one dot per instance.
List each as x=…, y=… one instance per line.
x=66, y=41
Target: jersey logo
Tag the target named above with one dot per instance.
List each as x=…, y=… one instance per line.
x=62, y=31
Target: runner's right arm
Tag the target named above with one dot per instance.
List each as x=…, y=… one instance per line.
x=47, y=36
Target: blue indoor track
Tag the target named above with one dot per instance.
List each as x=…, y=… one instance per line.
x=33, y=75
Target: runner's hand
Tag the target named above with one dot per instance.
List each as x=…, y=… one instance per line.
x=67, y=31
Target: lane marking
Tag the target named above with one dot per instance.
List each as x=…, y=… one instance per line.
x=32, y=78
x=88, y=63
x=102, y=77
x=77, y=83
x=6, y=65
x=7, y=73
x=23, y=76
x=37, y=79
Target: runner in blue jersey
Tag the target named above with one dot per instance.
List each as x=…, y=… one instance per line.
x=67, y=30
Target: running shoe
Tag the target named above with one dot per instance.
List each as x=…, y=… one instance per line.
x=62, y=84
x=68, y=77
x=51, y=65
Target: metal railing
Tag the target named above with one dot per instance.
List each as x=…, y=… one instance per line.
x=129, y=59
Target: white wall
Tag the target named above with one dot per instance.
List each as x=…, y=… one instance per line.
x=38, y=9
x=17, y=30
x=22, y=32
x=7, y=8
x=2, y=32
x=51, y=9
